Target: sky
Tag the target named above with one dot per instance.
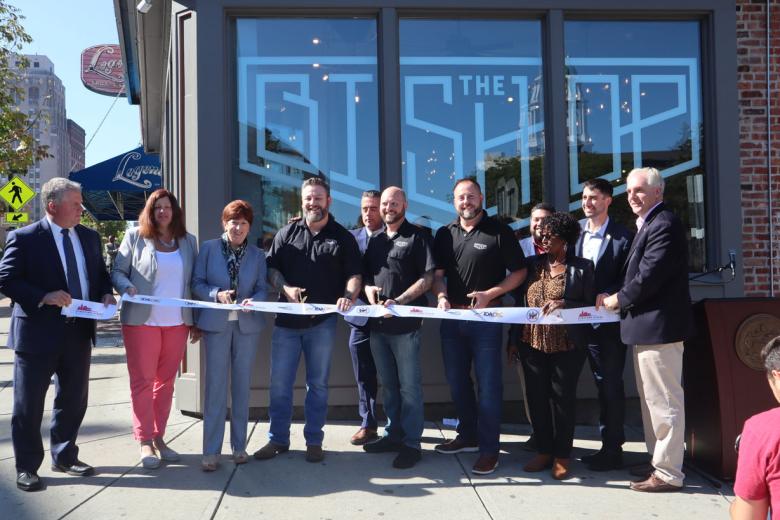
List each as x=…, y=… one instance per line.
x=88, y=22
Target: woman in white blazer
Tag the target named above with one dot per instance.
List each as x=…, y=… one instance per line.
x=155, y=259
x=229, y=270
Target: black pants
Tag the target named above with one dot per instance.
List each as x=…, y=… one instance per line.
x=551, y=390
x=607, y=357
x=69, y=361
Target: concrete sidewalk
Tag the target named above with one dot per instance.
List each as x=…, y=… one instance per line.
x=348, y=484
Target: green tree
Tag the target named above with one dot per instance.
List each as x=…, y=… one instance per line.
x=106, y=228
x=18, y=146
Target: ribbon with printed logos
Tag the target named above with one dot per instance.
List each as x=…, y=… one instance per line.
x=521, y=315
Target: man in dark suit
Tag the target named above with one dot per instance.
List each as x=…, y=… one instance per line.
x=655, y=317
x=45, y=266
x=606, y=243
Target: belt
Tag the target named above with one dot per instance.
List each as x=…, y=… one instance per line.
x=493, y=303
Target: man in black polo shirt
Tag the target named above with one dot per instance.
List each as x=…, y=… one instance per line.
x=312, y=260
x=473, y=254
x=398, y=268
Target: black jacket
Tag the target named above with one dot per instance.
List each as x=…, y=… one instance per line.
x=655, y=304
x=579, y=291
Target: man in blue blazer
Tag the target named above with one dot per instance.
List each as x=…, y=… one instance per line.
x=45, y=266
x=655, y=317
x=606, y=243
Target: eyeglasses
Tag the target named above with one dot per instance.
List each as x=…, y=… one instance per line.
x=547, y=236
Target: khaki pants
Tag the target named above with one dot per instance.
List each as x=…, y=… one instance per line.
x=658, y=371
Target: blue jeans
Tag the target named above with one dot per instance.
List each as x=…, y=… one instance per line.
x=316, y=344
x=397, y=358
x=227, y=352
x=464, y=343
x=365, y=374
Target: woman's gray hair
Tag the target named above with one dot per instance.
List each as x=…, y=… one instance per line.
x=652, y=175
x=54, y=189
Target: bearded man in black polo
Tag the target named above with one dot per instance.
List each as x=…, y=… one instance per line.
x=473, y=255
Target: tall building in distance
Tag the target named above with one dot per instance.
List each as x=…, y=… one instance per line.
x=44, y=102
x=76, y=139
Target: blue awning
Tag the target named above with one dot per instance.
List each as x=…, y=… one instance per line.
x=116, y=189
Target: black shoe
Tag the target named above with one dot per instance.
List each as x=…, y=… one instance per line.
x=77, y=469
x=407, y=457
x=383, y=445
x=28, y=481
x=604, y=461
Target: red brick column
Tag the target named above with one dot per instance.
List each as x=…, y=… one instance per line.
x=753, y=146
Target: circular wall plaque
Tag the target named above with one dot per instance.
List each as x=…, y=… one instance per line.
x=752, y=335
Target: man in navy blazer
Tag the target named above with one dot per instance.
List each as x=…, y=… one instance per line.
x=655, y=312
x=45, y=266
x=606, y=243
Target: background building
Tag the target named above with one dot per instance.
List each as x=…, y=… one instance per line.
x=44, y=101
x=244, y=99
x=76, y=138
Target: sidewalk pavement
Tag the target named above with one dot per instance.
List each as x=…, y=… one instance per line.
x=347, y=484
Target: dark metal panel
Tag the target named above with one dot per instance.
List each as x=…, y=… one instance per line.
x=556, y=162
x=389, y=100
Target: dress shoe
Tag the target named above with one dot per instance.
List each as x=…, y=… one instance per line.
x=363, y=436
x=240, y=457
x=486, y=464
x=165, y=453
x=314, y=453
x=654, y=484
x=456, y=445
x=28, y=481
x=560, y=469
x=407, y=457
x=538, y=463
x=604, y=461
x=642, y=470
x=383, y=445
x=77, y=469
x=209, y=463
x=270, y=451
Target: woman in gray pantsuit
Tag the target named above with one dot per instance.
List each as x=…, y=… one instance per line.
x=229, y=270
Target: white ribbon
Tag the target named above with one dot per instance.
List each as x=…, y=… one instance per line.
x=90, y=310
x=490, y=315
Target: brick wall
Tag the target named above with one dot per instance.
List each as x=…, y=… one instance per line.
x=753, y=164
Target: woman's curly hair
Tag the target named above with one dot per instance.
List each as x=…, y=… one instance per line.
x=562, y=225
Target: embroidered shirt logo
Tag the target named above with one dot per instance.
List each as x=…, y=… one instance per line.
x=479, y=246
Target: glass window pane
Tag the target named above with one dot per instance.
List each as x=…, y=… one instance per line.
x=633, y=100
x=307, y=106
x=471, y=105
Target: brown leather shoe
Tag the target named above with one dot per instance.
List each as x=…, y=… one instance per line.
x=538, y=463
x=654, y=484
x=560, y=469
x=314, y=453
x=642, y=470
x=363, y=436
x=486, y=464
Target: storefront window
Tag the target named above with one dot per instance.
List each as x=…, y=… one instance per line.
x=307, y=106
x=634, y=100
x=471, y=105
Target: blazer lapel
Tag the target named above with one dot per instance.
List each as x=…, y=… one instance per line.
x=51, y=250
x=641, y=233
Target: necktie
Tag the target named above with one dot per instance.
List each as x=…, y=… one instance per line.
x=74, y=282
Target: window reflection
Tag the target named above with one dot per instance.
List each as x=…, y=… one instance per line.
x=307, y=105
x=471, y=105
x=634, y=99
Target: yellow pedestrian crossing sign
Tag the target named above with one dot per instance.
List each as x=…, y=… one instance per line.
x=16, y=193
x=15, y=218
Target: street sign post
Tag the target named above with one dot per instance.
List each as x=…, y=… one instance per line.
x=16, y=193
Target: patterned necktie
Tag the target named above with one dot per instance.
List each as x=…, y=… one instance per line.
x=74, y=282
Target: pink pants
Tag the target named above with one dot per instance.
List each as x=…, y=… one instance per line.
x=153, y=358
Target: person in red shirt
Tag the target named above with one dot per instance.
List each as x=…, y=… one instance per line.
x=757, y=486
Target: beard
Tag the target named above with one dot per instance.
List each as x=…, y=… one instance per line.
x=315, y=214
x=469, y=213
x=392, y=218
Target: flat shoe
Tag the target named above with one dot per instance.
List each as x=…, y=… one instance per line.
x=150, y=461
x=538, y=463
x=168, y=455
x=560, y=469
x=209, y=463
x=240, y=457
